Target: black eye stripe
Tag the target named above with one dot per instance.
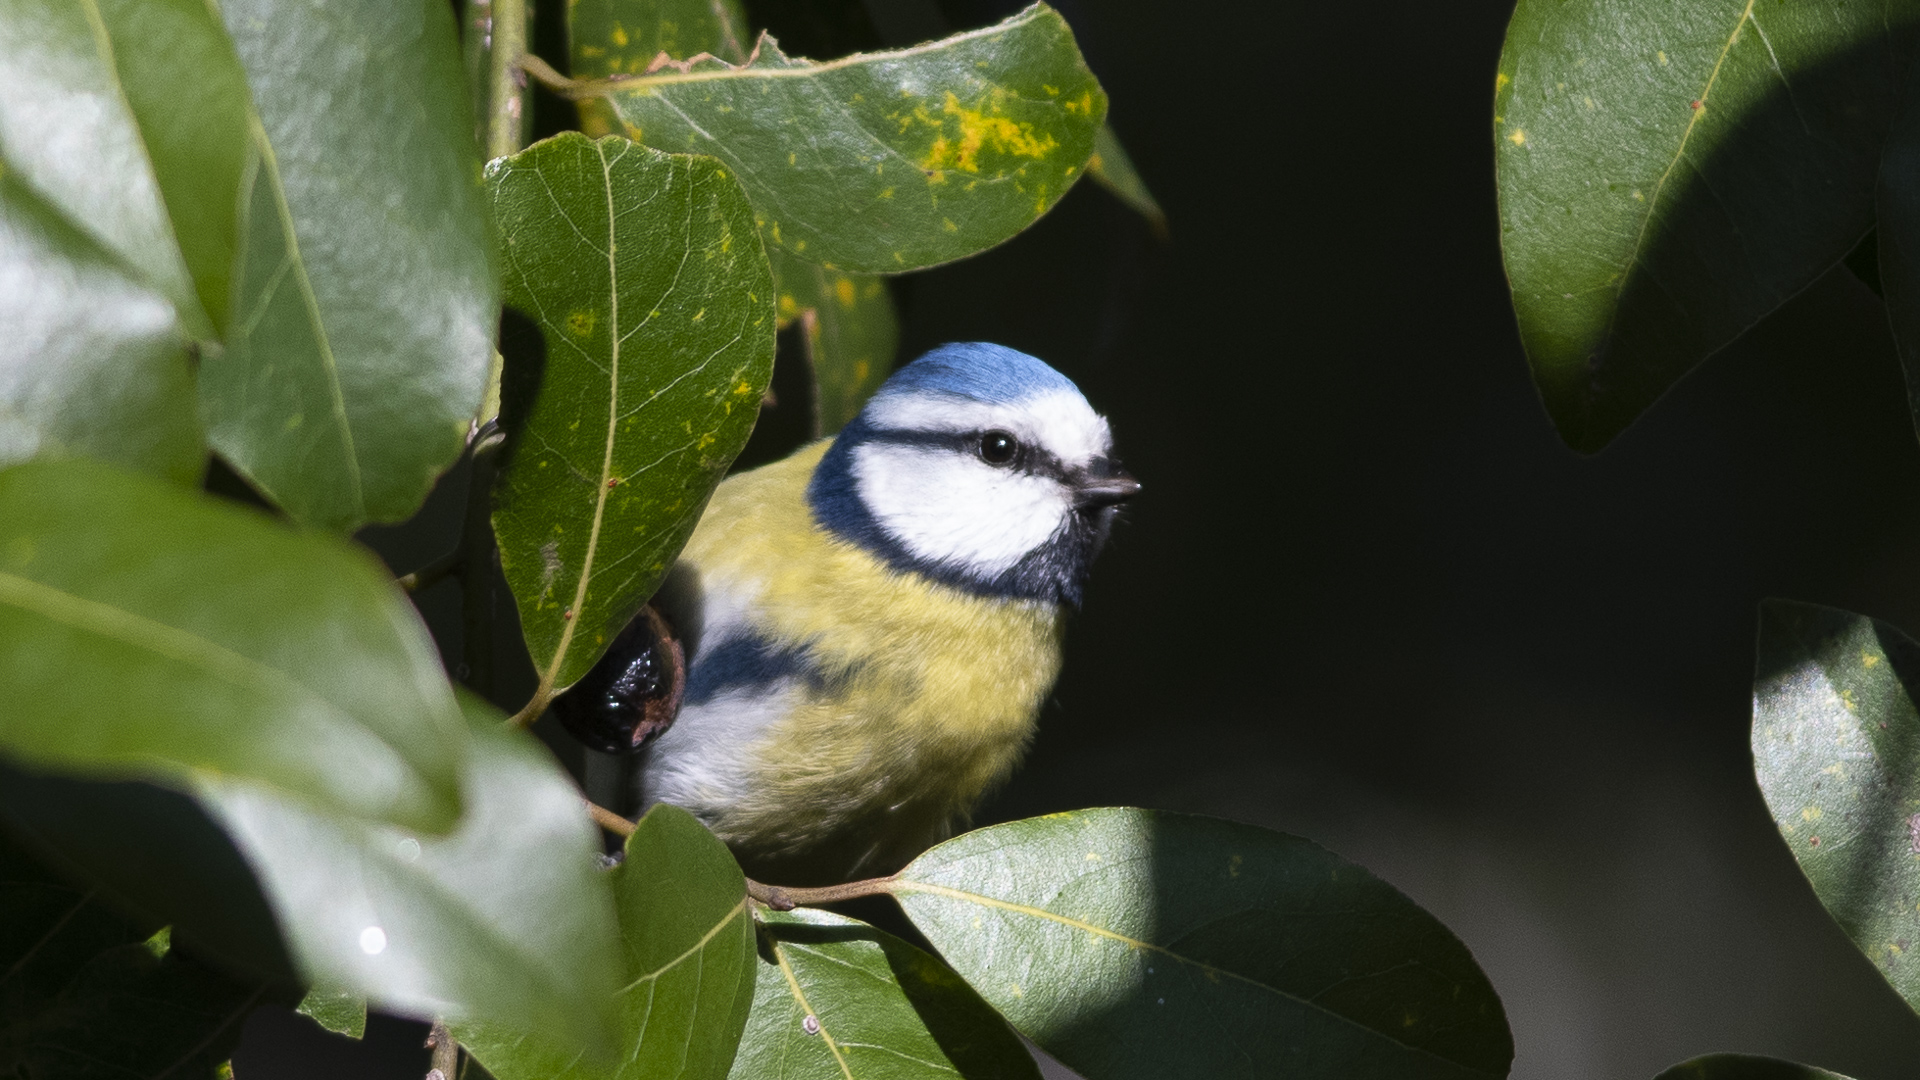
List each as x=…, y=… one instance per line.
x=1031, y=459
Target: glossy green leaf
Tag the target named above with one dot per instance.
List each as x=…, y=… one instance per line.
x=130, y=117
x=1113, y=169
x=659, y=324
x=1744, y=1067
x=507, y=919
x=342, y=1012
x=87, y=992
x=150, y=632
x=625, y=37
x=687, y=978
x=838, y=1000
x=1137, y=943
x=360, y=333
x=1836, y=747
x=93, y=362
x=851, y=332
x=890, y=161
x=1669, y=173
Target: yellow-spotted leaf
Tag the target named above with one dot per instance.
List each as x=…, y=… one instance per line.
x=851, y=333
x=653, y=296
x=1138, y=944
x=889, y=161
x=625, y=37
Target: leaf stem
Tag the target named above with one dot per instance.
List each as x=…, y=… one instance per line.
x=476, y=564
x=506, y=86
x=430, y=574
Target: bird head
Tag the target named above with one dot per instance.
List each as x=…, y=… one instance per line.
x=980, y=467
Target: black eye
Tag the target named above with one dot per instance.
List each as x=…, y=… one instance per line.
x=998, y=448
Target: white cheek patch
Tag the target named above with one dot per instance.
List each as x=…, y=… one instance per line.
x=956, y=510
x=1060, y=422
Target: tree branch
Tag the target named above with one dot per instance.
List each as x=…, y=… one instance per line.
x=506, y=86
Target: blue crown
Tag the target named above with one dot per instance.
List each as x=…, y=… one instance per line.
x=980, y=370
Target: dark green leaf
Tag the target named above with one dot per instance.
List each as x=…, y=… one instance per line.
x=130, y=117
x=623, y=37
x=1114, y=170
x=880, y=1009
x=891, y=161
x=851, y=330
x=146, y=631
x=1137, y=943
x=688, y=974
x=1744, y=1067
x=360, y=334
x=93, y=362
x=342, y=1012
x=1836, y=746
x=86, y=992
x=1669, y=173
x=1895, y=272
x=506, y=920
x=659, y=328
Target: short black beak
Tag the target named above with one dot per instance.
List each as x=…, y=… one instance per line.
x=1106, y=484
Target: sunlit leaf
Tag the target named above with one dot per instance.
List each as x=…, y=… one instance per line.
x=1113, y=169
x=1669, y=173
x=687, y=978
x=151, y=632
x=1836, y=747
x=838, y=1000
x=851, y=333
x=93, y=362
x=506, y=920
x=652, y=292
x=1744, y=1067
x=889, y=161
x=1136, y=943
x=360, y=334
x=87, y=992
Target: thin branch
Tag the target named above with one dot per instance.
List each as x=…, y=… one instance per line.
x=446, y=1052
x=430, y=574
x=609, y=820
x=506, y=87
x=476, y=569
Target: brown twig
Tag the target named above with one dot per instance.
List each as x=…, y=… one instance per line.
x=609, y=820
x=446, y=1052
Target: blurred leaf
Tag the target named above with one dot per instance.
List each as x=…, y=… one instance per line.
x=1201, y=947
x=623, y=37
x=150, y=632
x=1114, y=170
x=659, y=329
x=93, y=362
x=880, y=1008
x=852, y=333
x=1669, y=173
x=1894, y=245
x=889, y=161
x=365, y=302
x=86, y=992
x=1836, y=747
x=689, y=958
x=151, y=851
x=342, y=1012
x=130, y=117
x=506, y=920
x=1744, y=1067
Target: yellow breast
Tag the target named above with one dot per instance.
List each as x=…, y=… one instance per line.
x=928, y=698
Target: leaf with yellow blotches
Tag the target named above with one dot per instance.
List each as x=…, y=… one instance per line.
x=890, y=161
x=651, y=289
x=851, y=331
x=622, y=38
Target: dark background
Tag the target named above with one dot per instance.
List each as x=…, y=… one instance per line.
x=1368, y=596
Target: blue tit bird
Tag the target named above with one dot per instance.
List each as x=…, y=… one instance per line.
x=872, y=624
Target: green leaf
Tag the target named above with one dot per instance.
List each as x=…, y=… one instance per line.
x=1744, y=1067
x=1895, y=273
x=1836, y=747
x=1137, y=943
x=86, y=992
x=889, y=161
x=688, y=974
x=130, y=117
x=360, y=334
x=93, y=362
x=880, y=1009
x=1114, y=170
x=624, y=37
x=342, y=1012
x=507, y=919
x=1669, y=173
x=659, y=328
x=851, y=329
x=150, y=632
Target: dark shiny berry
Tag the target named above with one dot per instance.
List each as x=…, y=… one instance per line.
x=999, y=448
x=632, y=694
